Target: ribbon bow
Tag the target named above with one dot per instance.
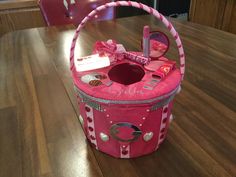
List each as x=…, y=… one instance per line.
x=110, y=48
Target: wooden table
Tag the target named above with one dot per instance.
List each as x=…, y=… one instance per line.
x=40, y=134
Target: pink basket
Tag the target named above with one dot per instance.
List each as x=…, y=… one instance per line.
x=124, y=117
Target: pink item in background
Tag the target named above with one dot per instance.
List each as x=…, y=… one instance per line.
x=61, y=12
x=126, y=119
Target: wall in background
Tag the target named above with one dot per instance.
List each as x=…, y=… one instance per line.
x=215, y=13
x=171, y=7
x=166, y=7
x=131, y=11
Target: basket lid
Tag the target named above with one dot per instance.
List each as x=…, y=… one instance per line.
x=132, y=84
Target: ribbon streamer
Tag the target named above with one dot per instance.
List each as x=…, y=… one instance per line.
x=116, y=52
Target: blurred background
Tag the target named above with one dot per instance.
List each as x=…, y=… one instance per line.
x=173, y=8
x=23, y=14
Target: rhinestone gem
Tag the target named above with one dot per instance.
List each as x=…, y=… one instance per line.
x=148, y=136
x=81, y=119
x=104, y=137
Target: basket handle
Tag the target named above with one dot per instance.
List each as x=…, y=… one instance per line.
x=148, y=9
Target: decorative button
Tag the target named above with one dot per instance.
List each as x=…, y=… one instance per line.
x=125, y=152
x=104, y=137
x=92, y=137
x=162, y=136
x=89, y=119
x=162, y=130
x=164, y=120
x=90, y=129
x=87, y=108
x=171, y=117
x=148, y=136
x=179, y=89
x=165, y=110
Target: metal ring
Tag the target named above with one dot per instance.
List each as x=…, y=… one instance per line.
x=114, y=131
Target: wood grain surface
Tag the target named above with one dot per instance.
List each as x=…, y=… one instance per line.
x=229, y=21
x=15, y=4
x=40, y=135
x=18, y=19
x=215, y=13
x=210, y=12
x=19, y=14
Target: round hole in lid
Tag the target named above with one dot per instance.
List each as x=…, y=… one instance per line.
x=126, y=73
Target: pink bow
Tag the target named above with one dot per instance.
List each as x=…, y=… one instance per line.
x=111, y=49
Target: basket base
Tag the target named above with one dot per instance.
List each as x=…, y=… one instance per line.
x=125, y=131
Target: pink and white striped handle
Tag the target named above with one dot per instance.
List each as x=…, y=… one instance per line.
x=148, y=9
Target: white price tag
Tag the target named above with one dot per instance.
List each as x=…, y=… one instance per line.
x=91, y=62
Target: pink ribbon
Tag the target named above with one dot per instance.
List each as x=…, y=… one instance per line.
x=114, y=51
